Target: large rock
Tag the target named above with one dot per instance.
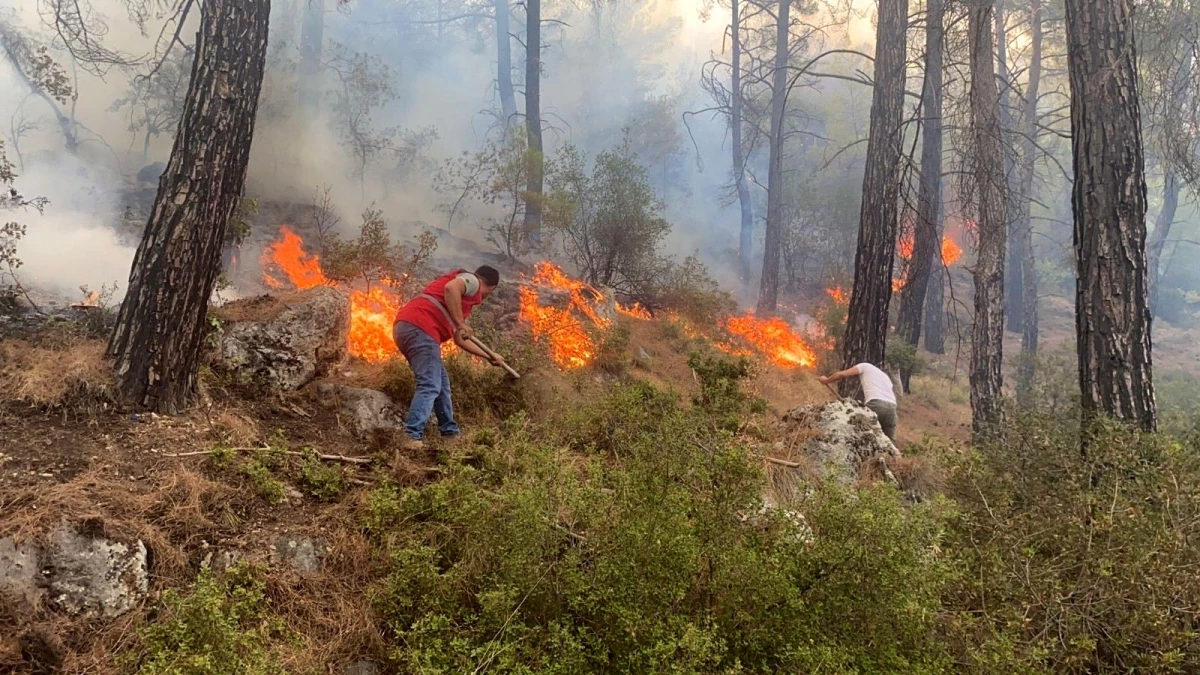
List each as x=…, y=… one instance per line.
x=95, y=577
x=841, y=437
x=20, y=573
x=285, y=342
x=368, y=410
x=303, y=554
x=79, y=573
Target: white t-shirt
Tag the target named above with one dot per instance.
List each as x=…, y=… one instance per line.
x=472, y=283
x=876, y=384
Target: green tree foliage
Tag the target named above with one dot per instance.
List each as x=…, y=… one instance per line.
x=372, y=258
x=11, y=231
x=495, y=177
x=609, y=219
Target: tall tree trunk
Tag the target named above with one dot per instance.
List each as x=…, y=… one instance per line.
x=1023, y=232
x=867, y=320
x=746, y=231
x=312, y=45
x=935, y=309
x=1112, y=315
x=504, y=80
x=927, y=239
x=1013, y=280
x=161, y=327
x=1158, y=238
x=768, y=292
x=533, y=118
x=987, y=334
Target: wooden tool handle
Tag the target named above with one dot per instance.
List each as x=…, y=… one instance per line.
x=492, y=355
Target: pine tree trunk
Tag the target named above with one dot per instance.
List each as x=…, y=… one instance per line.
x=746, y=231
x=312, y=44
x=1013, y=280
x=768, y=293
x=533, y=118
x=504, y=79
x=1112, y=315
x=935, y=310
x=987, y=334
x=1158, y=239
x=162, y=323
x=867, y=321
x=927, y=239
x=1023, y=232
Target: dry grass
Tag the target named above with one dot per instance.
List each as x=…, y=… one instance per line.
x=75, y=375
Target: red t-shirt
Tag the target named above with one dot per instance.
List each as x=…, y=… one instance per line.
x=423, y=314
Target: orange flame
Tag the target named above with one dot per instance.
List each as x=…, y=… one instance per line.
x=951, y=251
x=839, y=295
x=372, y=312
x=774, y=338
x=570, y=345
x=906, y=246
x=287, y=255
x=635, y=311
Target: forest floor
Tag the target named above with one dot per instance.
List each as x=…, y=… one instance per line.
x=68, y=451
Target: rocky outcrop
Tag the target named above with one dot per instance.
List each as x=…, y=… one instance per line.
x=368, y=410
x=78, y=573
x=303, y=554
x=285, y=342
x=841, y=437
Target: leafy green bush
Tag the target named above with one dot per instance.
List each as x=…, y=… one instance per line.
x=650, y=561
x=325, y=482
x=613, y=355
x=721, y=385
x=220, y=626
x=1077, y=562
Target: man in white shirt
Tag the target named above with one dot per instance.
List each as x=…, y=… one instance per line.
x=878, y=393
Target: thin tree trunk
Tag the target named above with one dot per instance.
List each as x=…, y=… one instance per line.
x=746, y=231
x=1023, y=234
x=312, y=44
x=162, y=323
x=987, y=335
x=11, y=46
x=935, y=310
x=533, y=118
x=867, y=320
x=1112, y=315
x=1158, y=239
x=927, y=238
x=768, y=292
x=1013, y=280
x=504, y=80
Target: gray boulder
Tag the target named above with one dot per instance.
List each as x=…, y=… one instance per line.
x=93, y=576
x=303, y=554
x=368, y=410
x=285, y=342
x=842, y=437
x=20, y=573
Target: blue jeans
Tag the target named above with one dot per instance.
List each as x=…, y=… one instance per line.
x=424, y=356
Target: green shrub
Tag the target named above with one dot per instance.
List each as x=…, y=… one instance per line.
x=325, y=482
x=721, y=386
x=650, y=562
x=1077, y=562
x=613, y=355
x=219, y=626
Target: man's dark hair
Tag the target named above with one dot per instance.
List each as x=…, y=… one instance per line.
x=488, y=275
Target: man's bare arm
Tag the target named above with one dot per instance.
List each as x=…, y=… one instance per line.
x=852, y=371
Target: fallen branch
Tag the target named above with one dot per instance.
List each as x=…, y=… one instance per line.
x=327, y=458
x=784, y=462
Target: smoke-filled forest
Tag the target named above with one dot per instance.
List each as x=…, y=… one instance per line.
x=725, y=336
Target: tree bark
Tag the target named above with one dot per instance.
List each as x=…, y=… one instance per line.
x=935, y=310
x=1023, y=232
x=867, y=320
x=1158, y=239
x=533, y=119
x=162, y=323
x=1112, y=315
x=768, y=293
x=987, y=334
x=927, y=238
x=504, y=80
x=312, y=45
x=1013, y=280
x=746, y=231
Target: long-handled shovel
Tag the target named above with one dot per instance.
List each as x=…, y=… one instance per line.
x=492, y=355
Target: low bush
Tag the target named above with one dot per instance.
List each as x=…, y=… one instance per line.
x=1077, y=562
x=652, y=559
x=219, y=626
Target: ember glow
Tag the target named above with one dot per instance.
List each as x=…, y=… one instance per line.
x=839, y=296
x=951, y=251
x=774, y=339
x=635, y=311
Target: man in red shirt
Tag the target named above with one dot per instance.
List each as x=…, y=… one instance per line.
x=437, y=315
